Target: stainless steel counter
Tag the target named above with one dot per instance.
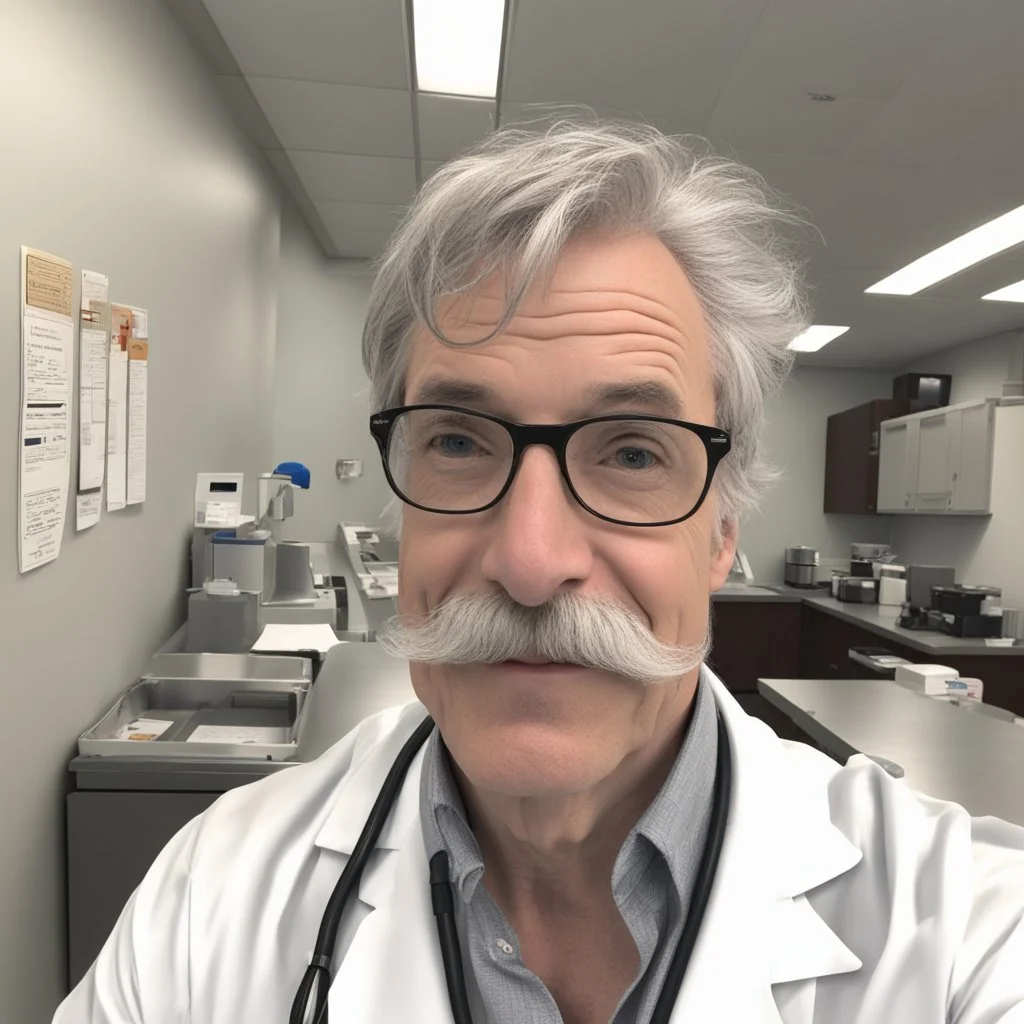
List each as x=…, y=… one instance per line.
x=952, y=753
x=878, y=619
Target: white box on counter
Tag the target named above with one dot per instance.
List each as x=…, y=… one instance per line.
x=929, y=679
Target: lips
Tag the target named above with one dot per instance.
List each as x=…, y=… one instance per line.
x=539, y=666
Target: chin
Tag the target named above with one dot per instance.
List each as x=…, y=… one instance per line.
x=520, y=758
x=527, y=734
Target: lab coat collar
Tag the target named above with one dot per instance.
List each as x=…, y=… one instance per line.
x=759, y=929
x=358, y=791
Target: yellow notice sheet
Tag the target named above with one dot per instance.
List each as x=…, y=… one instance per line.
x=94, y=345
x=47, y=353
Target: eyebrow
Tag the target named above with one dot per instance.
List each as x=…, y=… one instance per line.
x=649, y=394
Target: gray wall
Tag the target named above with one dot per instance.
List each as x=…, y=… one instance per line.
x=118, y=156
x=321, y=405
x=984, y=549
x=979, y=369
x=795, y=441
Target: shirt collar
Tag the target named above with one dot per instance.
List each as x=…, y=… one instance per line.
x=444, y=820
x=676, y=822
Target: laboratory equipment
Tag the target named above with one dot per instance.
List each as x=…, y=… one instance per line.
x=801, y=566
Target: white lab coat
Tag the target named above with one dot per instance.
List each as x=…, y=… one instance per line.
x=842, y=897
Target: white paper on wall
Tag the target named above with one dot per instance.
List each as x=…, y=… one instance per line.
x=45, y=429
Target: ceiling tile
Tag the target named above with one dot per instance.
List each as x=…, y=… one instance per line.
x=450, y=124
x=337, y=118
x=782, y=119
x=316, y=40
x=246, y=110
x=541, y=116
x=961, y=103
x=663, y=59
x=359, y=230
x=361, y=179
x=980, y=60
x=866, y=49
x=278, y=159
x=926, y=131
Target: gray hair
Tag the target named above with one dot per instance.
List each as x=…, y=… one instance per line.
x=513, y=203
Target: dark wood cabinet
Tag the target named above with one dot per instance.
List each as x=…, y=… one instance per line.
x=825, y=641
x=755, y=639
x=851, y=455
x=792, y=640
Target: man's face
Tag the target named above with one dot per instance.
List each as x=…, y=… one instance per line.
x=619, y=309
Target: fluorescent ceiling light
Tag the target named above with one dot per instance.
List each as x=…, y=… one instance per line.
x=977, y=245
x=1011, y=293
x=458, y=46
x=816, y=336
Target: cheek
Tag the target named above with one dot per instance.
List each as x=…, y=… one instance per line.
x=433, y=556
x=671, y=583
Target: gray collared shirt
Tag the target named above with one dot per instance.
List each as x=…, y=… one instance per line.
x=652, y=881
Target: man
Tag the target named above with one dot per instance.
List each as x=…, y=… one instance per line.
x=570, y=344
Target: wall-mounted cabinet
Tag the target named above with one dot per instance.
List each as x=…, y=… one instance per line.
x=937, y=462
x=851, y=455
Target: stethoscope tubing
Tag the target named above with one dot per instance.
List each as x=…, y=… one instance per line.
x=316, y=981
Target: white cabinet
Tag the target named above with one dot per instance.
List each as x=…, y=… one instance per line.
x=973, y=448
x=937, y=462
x=897, y=462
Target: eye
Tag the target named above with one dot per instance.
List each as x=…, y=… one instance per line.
x=635, y=458
x=455, y=445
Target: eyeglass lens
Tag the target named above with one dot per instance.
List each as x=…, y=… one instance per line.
x=636, y=471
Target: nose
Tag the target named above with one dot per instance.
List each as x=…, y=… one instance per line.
x=539, y=542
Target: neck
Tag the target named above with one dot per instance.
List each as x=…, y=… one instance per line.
x=555, y=853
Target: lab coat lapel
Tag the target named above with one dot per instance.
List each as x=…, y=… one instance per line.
x=759, y=929
x=393, y=972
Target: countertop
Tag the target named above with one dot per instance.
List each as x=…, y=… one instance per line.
x=878, y=619
x=951, y=753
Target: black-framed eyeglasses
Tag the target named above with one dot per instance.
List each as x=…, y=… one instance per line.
x=633, y=470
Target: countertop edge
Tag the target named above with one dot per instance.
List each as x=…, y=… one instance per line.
x=823, y=601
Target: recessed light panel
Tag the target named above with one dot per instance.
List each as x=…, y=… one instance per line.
x=1002, y=233
x=458, y=46
x=815, y=337
x=1011, y=293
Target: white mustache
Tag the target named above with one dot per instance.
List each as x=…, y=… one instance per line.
x=571, y=629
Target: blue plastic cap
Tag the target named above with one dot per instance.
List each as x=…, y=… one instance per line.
x=298, y=473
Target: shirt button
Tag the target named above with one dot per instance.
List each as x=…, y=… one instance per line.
x=505, y=947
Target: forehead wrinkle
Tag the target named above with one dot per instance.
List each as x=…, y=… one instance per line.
x=565, y=302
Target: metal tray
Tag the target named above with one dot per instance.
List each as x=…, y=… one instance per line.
x=239, y=691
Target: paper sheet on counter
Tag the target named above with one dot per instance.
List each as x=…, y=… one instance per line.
x=239, y=734
x=45, y=428
x=305, y=636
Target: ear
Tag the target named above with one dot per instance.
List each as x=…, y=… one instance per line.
x=723, y=553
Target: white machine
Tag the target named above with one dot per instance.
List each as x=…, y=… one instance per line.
x=218, y=506
x=275, y=574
